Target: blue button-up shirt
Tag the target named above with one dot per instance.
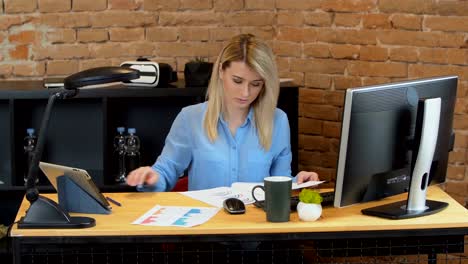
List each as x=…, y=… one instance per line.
x=238, y=158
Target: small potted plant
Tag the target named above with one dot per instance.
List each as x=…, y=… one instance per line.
x=197, y=72
x=309, y=207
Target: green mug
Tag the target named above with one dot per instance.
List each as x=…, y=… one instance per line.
x=277, y=197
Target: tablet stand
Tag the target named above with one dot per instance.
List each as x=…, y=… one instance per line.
x=73, y=198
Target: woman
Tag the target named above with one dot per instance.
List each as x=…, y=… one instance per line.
x=237, y=135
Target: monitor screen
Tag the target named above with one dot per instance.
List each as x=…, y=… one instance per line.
x=378, y=138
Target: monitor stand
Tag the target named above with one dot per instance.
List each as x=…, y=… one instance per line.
x=427, y=128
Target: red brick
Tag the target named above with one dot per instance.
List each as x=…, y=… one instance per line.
x=425, y=39
x=250, y=18
x=20, y=6
x=345, y=82
x=452, y=8
x=433, y=55
x=62, y=51
x=302, y=5
x=194, y=33
x=310, y=126
x=7, y=21
x=139, y=49
x=195, y=4
x=460, y=122
x=323, y=66
x=19, y=52
x=309, y=142
x=407, y=6
x=366, y=81
x=125, y=4
x=461, y=106
x=456, y=173
x=92, y=63
x=378, y=69
x=226, y=5
x=335, y=98
x=290, y=18
x=446, y=23
x=192, y=49
x=347, y=36
x=23, y=37
x=458, y=156
x=123, y=19
x=332, y=129
x=318, y=80
x=314, y=96
x=46, y=6
x=457, y=56
x=89, y=5
x=374, y=21
x=29, y=69
x=373, y=53
x=260, y=5
x=126, y=34
x=62, y=67
x=461, y=141
x=348, y=5
x=287, y=48
x=323, y=112
x=92, y=35
x=65, y=20
x=427, y=70
x=223, y=33
x=408, y=22
x=318, y=19
x=298, y=77
x=290, y=34
x=409, y=54
x=61, y=36
x=161, y=5
x=317, y=50
x=265, y=32
x=6, y=71
x=310, y=35
x=196, y=18
x=347, y=19
x=162, y=33
x=345, y=51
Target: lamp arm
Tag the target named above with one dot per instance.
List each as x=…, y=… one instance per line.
x=31, y=191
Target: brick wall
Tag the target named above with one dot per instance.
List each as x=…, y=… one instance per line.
x=325, y=45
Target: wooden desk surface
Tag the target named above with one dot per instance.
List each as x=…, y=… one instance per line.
x=252, y=222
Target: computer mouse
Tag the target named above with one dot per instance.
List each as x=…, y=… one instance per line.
x=234, y=206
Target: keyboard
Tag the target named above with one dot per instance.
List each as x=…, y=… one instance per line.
x=328, y=198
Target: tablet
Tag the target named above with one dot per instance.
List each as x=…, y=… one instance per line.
x=79, y=176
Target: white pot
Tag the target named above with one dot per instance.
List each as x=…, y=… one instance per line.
x=308, y=211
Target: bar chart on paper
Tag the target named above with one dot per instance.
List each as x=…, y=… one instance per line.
x=180, y=216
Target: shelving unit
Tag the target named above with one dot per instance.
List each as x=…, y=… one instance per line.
x=81, y=129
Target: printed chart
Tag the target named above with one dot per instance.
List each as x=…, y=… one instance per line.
x=181, y=216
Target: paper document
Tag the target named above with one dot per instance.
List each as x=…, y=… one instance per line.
x=181, y=216
x=239, y=190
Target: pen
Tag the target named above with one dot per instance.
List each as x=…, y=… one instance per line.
x=113, y=201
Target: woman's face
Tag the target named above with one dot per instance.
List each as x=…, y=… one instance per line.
x=242, y=85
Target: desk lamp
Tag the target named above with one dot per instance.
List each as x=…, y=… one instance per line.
x=44, y=212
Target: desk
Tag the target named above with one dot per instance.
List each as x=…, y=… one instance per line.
x=347, y=227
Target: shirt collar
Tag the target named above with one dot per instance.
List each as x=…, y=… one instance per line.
x=247, y=120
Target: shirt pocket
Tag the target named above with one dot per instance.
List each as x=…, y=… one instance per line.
x=210, y=169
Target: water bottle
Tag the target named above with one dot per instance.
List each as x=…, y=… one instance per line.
x=118, y=161
x=29, y=144
x=132, y=150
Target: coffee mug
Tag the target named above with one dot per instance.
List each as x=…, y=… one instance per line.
x=277, y=197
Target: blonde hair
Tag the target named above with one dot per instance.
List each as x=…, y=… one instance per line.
x=260, y=58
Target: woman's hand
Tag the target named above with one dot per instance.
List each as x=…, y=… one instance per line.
x=141, y=176
x=305, y=176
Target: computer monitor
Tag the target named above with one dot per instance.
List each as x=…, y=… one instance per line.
x=381, y=138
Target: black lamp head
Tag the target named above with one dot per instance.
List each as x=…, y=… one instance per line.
x=100, y=75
